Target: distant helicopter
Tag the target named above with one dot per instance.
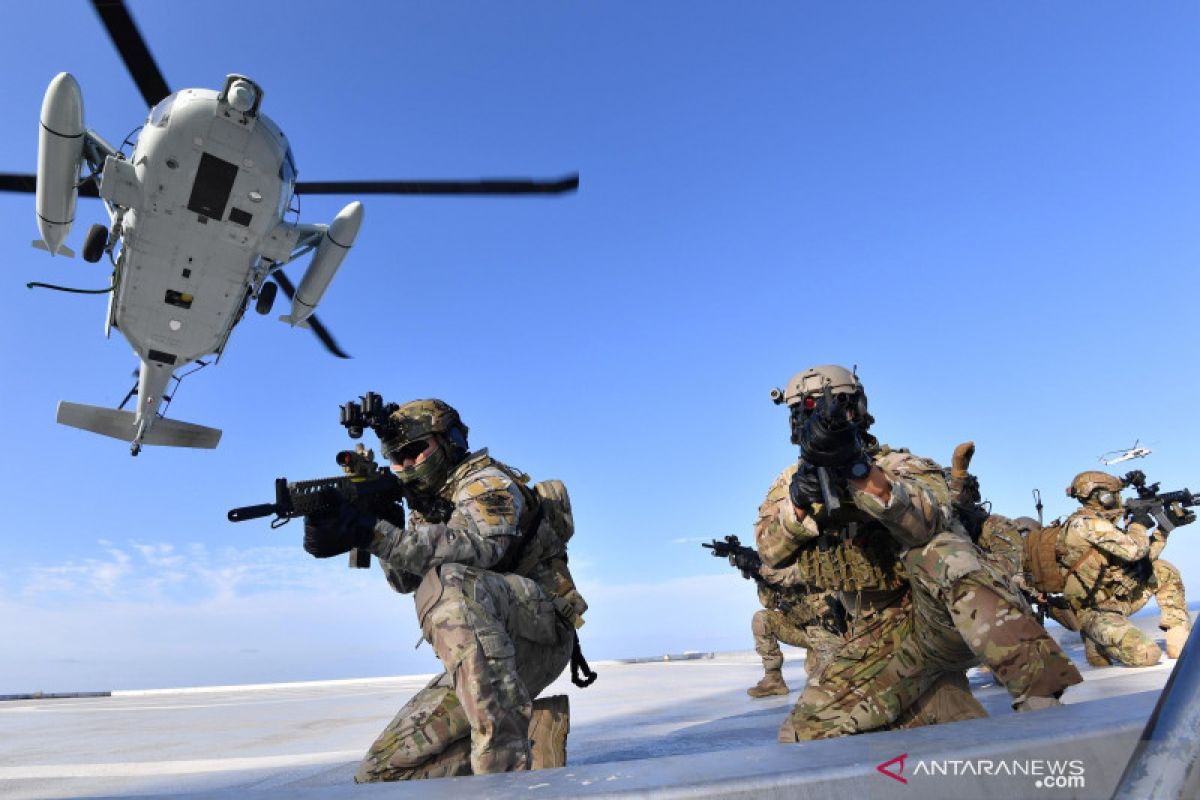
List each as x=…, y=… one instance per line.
x=1117, y=456
x=196, y=226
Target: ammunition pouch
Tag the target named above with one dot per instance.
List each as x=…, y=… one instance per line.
x=853, y=553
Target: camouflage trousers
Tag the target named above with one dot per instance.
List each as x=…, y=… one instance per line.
x=501, y=643
x=772, y=626
x=961, y=612
x=966, y=611
x=1108, y=630
x=875, y=683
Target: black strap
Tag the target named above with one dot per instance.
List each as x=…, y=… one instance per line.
x=579, y=664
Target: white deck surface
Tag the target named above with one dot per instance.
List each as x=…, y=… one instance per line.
x=681, y=728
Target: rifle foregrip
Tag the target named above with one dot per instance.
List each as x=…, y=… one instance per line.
x=827, y=492
x=251, y=512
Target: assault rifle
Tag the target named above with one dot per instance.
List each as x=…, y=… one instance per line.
x=370, y=487
x=1158, y=504
x=1041, y=609
x=825, y=407
x=746, y=559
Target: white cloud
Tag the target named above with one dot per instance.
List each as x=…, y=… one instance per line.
x=146, y=615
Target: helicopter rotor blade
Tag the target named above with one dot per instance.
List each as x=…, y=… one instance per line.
x=503, y=186
x=322, y=333
x=24, y=182
x=129, y=43
x=17, y=182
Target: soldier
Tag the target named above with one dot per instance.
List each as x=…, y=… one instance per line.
x=1110, y=573
x=1001, y=541
x=814, y=620
x=922, y=604
x=486, y=556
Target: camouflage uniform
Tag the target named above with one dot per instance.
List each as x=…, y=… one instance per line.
x=1000, y=540
x=797, y=616
x=1003, y=546
x=486, y=558
x=1110, y=575
x=922, y=601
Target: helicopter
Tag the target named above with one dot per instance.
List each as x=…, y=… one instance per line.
x=198, y=226
x=1128, y=454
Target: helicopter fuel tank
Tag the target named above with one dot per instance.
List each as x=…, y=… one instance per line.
x=335, y=244
x=60, y=153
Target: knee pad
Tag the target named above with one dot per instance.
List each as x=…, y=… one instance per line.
x=425, y=735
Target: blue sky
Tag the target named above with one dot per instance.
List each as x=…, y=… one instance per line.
x=990, y=208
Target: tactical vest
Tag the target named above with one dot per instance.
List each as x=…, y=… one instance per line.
x=854, y=553
x=1098, y=577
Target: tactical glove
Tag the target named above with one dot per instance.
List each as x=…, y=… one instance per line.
x=829, y=439
x=1179, y=515
x=337, y=530
x=805, y=489
x=747, y=563
x=1141, y=517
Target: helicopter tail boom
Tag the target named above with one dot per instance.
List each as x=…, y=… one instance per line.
x=123, y=425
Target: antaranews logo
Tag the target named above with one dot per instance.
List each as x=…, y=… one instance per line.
x=1047, y=773
x=896, y=764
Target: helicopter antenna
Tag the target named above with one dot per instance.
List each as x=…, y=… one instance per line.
x=57, y=288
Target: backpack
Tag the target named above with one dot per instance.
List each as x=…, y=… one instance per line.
x=1041, y=558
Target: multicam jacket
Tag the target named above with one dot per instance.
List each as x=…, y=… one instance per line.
x=859, y=547
x=1103, y=563
x=497, y=523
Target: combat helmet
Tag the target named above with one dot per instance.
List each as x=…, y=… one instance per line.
x=1100, y=487
x=428, y=430
x=806, y=387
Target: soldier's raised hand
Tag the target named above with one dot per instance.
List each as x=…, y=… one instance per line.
x=805, y=488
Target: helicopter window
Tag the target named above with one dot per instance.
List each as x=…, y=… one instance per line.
x=161, y=113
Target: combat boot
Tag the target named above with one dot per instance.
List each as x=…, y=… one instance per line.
x=548, y=728
x=1176, y=638
x=1094, y=656
x=771, y=683
x=1037, y=703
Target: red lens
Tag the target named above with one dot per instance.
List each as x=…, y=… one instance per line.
x=810, y=403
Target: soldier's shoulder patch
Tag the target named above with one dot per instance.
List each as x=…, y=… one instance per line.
x=483, y=484
x=490, y=496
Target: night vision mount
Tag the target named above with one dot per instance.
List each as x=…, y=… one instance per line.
x=369, y=412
